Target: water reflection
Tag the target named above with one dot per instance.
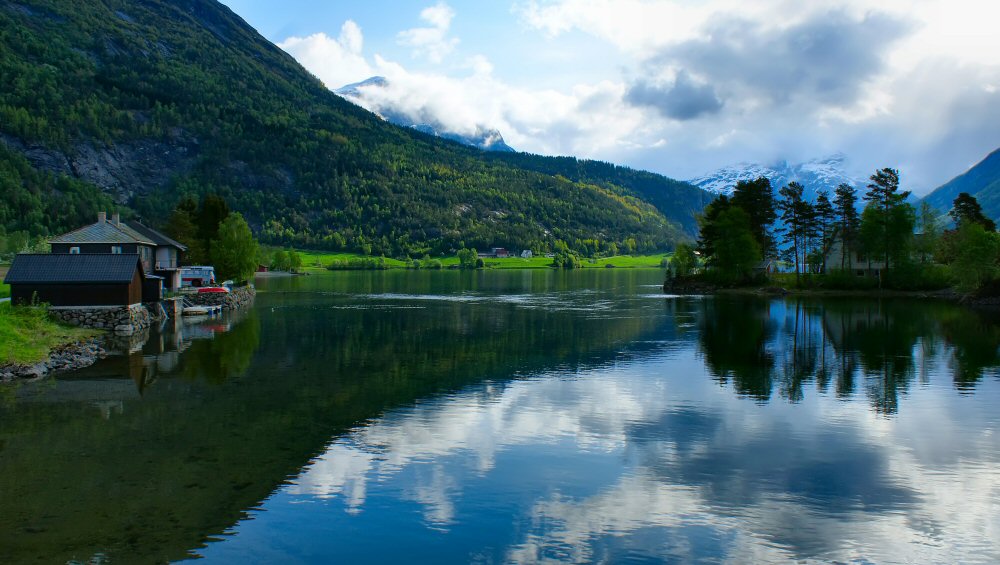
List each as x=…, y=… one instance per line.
x=765, y=347
x=631, y=463
x=517, y=417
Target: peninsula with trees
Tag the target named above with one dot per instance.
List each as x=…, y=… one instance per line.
x=847, y=241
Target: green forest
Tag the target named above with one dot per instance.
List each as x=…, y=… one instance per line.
x=139, y=106
x=828, y=243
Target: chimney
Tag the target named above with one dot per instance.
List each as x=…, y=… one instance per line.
x=102, y=217
x=116, y=219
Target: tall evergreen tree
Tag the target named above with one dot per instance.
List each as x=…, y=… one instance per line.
x=966, y=209
x=708, y=223
x=211, y=214
x=736, y=251
x=825, y=218
x=794, y=214
x=886, y=201
x=756, y=198
x=845, y=202
x=181, y=226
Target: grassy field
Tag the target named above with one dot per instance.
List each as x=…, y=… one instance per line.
x=317, y=261
x=27, y=335
x=4, y=290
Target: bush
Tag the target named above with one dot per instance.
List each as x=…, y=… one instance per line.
x=846, y=280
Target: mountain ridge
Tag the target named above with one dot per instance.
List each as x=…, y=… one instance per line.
x=982, y=180
x=151, y=102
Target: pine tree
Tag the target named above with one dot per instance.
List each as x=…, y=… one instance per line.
x=825, y=217
x=848, y=222
x=885, y=198
x=966, y=209
x=795, y=215
x=756, y=198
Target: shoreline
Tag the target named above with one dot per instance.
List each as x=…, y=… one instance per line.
x=79, y=353
x=70, y=356
x=947, y=294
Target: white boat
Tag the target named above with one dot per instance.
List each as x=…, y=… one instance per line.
x=197, y=311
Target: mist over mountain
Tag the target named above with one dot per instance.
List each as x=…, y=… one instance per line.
x=365, y=94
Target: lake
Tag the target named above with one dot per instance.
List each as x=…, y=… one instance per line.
x=517, y=417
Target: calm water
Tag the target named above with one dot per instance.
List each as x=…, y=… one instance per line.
x=517, y=417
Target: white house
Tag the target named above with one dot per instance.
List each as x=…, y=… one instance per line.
x=838, y=258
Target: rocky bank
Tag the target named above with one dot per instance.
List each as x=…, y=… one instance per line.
x=64, y=358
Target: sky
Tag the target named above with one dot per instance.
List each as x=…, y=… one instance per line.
x=679, y=87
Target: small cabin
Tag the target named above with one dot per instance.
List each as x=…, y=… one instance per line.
x=160, y=255
x=85, y=279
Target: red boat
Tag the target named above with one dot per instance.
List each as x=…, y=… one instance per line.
x=211, y=289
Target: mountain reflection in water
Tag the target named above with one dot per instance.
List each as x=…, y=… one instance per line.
x=520, y=417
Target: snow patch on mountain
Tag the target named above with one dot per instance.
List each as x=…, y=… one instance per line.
x=818, y=174
x=369, y=95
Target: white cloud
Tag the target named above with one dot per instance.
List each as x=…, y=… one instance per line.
x=431, y=42
x=876, y=94
x=908, y=84
x=336, y=62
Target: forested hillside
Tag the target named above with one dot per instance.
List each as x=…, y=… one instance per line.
x=148, y=101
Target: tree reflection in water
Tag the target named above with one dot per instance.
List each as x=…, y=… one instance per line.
x=765, y=347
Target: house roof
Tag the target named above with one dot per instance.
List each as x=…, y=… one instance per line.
x=104, y=232
x=159, y=238
x=58, y=268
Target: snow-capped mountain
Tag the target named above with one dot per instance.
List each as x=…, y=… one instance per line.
x=818, y=174
x=364, y=94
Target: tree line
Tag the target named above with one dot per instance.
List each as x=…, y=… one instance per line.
x=215, y=236
x=889, y=243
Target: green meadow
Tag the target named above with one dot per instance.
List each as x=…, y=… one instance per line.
x=314, y=261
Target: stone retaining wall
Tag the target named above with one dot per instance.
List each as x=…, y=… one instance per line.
x=238, y=298
x=125, y=319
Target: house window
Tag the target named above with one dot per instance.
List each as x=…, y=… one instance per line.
x=74, y=250
x=116, y=249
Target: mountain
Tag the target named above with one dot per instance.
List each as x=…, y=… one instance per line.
x=364, y=94
x=135, y=105
x=819, y=174
x=677, y=200
x=981, y=181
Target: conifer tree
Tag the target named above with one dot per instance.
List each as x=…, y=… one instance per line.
x=848, y=222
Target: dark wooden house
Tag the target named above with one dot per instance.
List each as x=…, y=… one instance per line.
x=160, y=255
x=169, y=254
x=107, y=279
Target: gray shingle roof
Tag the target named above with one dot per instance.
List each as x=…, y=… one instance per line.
x=103, y=232
x=58, y=268
x=158, y=237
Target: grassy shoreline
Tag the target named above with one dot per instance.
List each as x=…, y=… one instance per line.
x=28, y=335
x=314, y=261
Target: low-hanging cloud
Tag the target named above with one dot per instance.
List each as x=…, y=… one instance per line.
x=824, y=60
x=336, y=62
x=682, y=100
